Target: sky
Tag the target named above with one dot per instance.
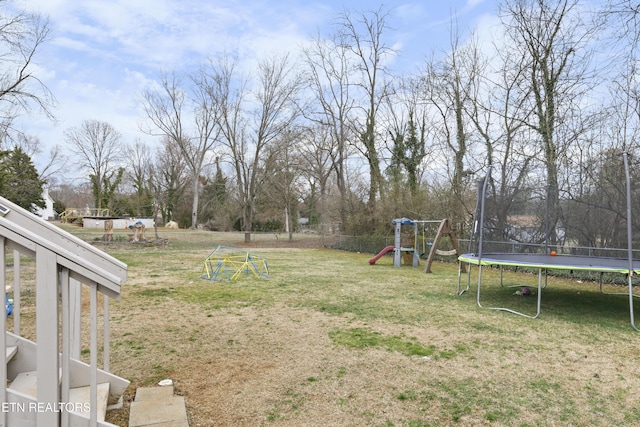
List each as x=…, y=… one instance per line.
x=104, y=53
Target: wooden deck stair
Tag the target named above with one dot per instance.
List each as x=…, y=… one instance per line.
x=82, y=395
x=27, y=383
x=157, y=407
x=11, y=351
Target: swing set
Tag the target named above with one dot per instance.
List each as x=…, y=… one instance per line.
x=443, y=230
x=407, y=248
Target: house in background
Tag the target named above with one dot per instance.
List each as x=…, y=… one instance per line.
x=48, y=214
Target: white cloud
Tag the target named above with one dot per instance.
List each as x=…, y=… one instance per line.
x=104, y=53
x=473, y=3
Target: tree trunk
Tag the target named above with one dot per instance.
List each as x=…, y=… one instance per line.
x=247, y=219
x=194, y=206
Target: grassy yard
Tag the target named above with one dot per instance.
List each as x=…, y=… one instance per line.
x=329, y=340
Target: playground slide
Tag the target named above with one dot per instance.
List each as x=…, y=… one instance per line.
x=382, y=252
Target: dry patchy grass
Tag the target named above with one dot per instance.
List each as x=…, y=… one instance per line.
x=329, y=340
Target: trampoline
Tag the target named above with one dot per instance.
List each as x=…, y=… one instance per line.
x=543, y=263
x=559, y=262
x=516, y=253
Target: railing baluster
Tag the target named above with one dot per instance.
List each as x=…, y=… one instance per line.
x=3, y=335
x=16, y=292
x=66, y=342
x=106, y=334
x=75, y=306
x=94, y=356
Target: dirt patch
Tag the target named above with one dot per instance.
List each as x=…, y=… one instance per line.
x=253, y=366
x=279, y=365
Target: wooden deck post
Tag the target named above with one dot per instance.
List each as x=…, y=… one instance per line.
x=47, y=336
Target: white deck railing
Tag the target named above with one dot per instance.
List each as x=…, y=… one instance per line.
x=63, y=266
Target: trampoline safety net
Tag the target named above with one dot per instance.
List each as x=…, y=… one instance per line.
x=585, y=216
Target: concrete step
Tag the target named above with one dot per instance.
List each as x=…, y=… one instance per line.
x=153, y=393
x=11, y=351
x=82, y=395
x=157, y=407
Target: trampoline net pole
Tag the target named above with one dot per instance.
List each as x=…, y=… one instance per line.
x=629, y=239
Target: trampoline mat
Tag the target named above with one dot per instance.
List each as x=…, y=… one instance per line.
x=559, y=262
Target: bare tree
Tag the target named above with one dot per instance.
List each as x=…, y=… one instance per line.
x=624, y=17
x=363, y=35
x=169, y=109
x=447, y=86
x=408, y=131
x=167, y=179
x=21, y=38
x=251, y=124
x=138, y=169
x=98, y=146
x=549, y=39
x=315, y=149
x=329, y=79
x=285, y=171
x=33, y=147
x=497, y=108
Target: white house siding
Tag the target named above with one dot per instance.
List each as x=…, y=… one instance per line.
x=47, y=213
x=118, y=223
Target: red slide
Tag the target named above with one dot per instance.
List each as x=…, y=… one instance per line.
x=382, y=252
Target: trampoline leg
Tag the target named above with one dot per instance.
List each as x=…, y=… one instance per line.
x=602, y=291
x=540, y=289
x=538, y=304
x=631, y=315
x=479, y=282
x=458, y=291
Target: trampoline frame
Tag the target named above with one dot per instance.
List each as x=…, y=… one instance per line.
x=545, y=262
x=560, y=262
